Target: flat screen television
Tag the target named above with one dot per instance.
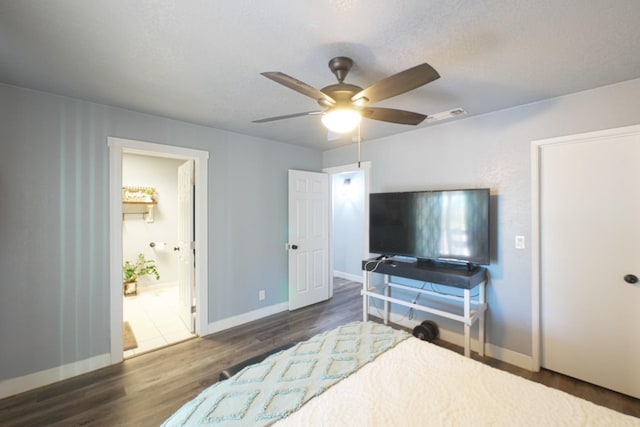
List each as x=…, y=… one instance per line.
x=448, y=225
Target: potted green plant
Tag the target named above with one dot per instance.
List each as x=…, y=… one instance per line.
x=132, y=270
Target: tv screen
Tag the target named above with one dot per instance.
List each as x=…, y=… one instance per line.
x=451, y=225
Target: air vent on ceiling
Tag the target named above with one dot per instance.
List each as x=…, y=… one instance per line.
x=446, y=115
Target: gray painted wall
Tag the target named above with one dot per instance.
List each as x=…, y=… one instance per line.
x=54, y=295
x=54, y=305
x=493, y=151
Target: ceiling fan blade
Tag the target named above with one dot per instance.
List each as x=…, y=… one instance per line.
x=299, y=86
x=288, y=116
x=396, y=84
x=393, y=116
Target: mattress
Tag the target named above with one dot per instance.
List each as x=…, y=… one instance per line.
x=367, y=374
x=265, y=392
x=420, y=384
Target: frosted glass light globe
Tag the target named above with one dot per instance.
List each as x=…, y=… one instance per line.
x=341, y=120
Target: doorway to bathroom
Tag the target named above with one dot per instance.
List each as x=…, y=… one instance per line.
x=157, y=201
x=151, y=243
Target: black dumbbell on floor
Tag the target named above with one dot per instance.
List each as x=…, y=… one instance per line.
x=426, y=331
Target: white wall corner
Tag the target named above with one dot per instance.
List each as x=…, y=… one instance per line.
x=347, y=276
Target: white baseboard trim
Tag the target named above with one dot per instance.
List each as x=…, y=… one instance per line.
x=348, y=276
x=28, y=382
x=495, y=352
x=241, y=319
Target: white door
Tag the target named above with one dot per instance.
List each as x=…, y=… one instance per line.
x=308, y=244
x=186, y=245
x=590, y=236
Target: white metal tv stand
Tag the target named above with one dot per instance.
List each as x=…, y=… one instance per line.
x=470, y=310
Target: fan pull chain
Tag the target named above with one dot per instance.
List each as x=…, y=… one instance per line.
x=359, y=139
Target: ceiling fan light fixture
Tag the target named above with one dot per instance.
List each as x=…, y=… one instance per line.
x=341, y=120
x=361, y=102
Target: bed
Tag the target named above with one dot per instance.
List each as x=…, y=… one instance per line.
x=368, y=374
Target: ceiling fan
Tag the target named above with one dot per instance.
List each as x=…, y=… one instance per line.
x=345, y=104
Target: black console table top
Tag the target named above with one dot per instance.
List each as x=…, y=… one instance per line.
x=457, y=276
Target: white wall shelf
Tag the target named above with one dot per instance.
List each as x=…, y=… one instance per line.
x=139, y=200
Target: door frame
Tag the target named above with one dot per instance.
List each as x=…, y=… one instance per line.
x=537, y=148
x=117, y=147
x=353, y=167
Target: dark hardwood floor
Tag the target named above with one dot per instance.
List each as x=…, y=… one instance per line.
x=147, y=389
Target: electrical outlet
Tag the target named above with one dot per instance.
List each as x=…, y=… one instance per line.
x=261, y=295
x=519, y=242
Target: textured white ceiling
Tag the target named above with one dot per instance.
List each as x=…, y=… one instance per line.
x=200, y=60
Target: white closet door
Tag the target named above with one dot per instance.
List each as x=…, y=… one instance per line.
x=590, y=239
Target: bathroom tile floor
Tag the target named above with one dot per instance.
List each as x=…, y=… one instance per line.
x=153, y=316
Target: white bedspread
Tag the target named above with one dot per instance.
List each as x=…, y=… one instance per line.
x=420, y=384
x=265, y=392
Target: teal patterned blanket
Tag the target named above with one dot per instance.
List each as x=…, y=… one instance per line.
x=263, y=393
